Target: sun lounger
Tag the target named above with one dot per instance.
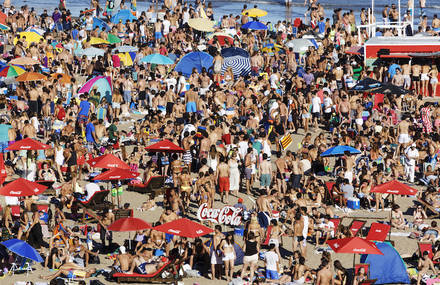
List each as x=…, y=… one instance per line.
x=424, y=246
x=368, y=282
x=356, y=227
x=154, y=186
x=429, y=207
x=378, y=232
x=337, y=223
x=97, y=201
x=159, y=276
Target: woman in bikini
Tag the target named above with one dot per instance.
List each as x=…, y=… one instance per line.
x=227, y=248
x=254, y=227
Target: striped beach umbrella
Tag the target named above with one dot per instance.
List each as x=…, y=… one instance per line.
x=11, y=70
x=237, y=59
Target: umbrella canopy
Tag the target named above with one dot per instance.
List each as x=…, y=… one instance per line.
x=388, y=88
x=3, y=173
x=165, y=146
x=101, y=84
x=3, y=17
x=90, y=52
x=28, y=144
x=157, y=58
x=394, y=187
x=129, y=225
x=107, y=161
x=113, y=39
x=237, y=59
x=98, y=41
x=340, y=150
x=300, y=45
x=22, y=249
x=221, y=37
x=271, y=49
x=31, y=37
x=195, y=59
x=127, y=58
x=24, y=61
x=254, y=25
x=3, y=27
x=184, y=228
x=11, y=70
x=22, y=188
x=254, y=13
x=62, y=77
x=98, y=23
x=202, y=24
x=30, y=76
x=36, y=29
x=117, y=174
x=125, y=49
x=366, y=84
x=123, y=16
x=353, y=245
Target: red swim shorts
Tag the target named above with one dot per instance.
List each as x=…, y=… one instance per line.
x=223, y=184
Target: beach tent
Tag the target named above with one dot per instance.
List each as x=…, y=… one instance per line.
x=124, y=16
x=386, y=268
x=101, y=84
x=195, y=59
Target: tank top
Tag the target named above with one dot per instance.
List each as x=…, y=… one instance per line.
x=251, y=248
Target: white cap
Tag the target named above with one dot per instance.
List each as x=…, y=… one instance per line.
x=122, y=249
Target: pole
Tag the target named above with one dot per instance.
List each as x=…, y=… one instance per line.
x=391, y=215
x=354, y=263
x=400, y=22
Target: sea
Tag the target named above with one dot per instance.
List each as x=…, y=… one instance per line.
x=277, y=9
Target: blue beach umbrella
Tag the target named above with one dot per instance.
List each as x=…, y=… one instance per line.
x=195, y=59
x=98, y=23
x=157, y=59
x=254, y=25
x=22, y=249
x=237, y=59
x=124, y=16
x=339, y=150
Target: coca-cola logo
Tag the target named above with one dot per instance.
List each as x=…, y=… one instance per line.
x=227, y=215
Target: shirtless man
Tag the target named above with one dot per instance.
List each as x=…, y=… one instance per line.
x=436, y=24
x=291, y=61
x=222, y=174
x=398, y=79
x=339, y=73
x=424, y=77
x=425, y=263
x=281, y=165
x=265, y=172
x=143, y=263
x=297, y=171
x=344, y=108
x=406, y=70
x=298, y=227
x=403, y=134
x=168, y=216
x=205, y=144
x=106, y=220
x=190, y=100
x=29, y=130
x=178, y=111
x=33, y=99
x=325, y=275
x=216, y=259
x=264, y=208
x=257, y=63
x=123, y=260
x=349, y=162
x=415, y=70
x=100, y=131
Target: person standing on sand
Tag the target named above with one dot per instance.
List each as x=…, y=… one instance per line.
x=325, y=274
x=223, y=173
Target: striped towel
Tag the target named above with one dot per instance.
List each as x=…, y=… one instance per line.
x=285, y=141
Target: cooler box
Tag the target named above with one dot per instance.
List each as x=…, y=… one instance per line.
x=353, y=203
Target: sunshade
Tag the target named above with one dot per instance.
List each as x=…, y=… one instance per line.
x=31, y=37
x=366, y=84
x=125, y=49
x=36, y=29
x=201, y=24
x=165, y=146
x=62, y=77
x=157, y=58
x=340, y=150
x=184, y=228
x=195, y=59
x=107, y=161
x=254, y=12
x=90, y=52
x=3, y=173
x=237, y=59
x=30, y=76
x=389, y=88
x=127, y=58
x=24, y=61
x=22, y=249
x=3, y=27
x=97, y=41
x=300, y=45
x=221, y=37
x=22, y=188
x=101, y=84
x=353, y=245
x=28, y=144
x=394, y=187
x=11, y=70
x=254, y=25
x=124, y=16
x=378, y=232
x=117, y=174
x=113, y=39
x=271, y=49
x=98, y=23
x=129, y=225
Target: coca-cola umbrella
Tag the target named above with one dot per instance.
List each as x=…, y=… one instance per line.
x=28, y=144
x=392, y=188
x=184, y=228
x=117, y=174
x=165, y=146
x=22, y=188
x=3, y=173
x=107, y=161
x=129, y=225
x=355, y=245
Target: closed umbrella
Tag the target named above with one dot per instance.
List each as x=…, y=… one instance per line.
x=22, y=249
x=157, y=58
x=254, y=25
x=201, y=24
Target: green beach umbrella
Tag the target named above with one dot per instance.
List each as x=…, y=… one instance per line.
x=113, y=39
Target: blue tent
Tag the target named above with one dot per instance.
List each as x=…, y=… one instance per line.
x=124, y=16
x=98, y=23
x=386, y=268
x=339, y=150
x=254, y=25
x=195, y=59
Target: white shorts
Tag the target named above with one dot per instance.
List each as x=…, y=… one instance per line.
x=406, y=80
x=300, y=281
x=434, y=80
x=359, y=121
x=404, y=138
x=349, y=175
x=251, y=258
x=228, y=256
x=424, y=77
x=215, y=259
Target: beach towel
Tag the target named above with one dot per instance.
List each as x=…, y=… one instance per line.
x=426, y=118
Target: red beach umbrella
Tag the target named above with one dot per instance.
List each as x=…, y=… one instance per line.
x=129, y=225
x=22, y=187
x=107, y=161
x=165, y=146
x=394, y=187
x=184, y=228
x=28, y=144
x=117, y=174
x=353, y=245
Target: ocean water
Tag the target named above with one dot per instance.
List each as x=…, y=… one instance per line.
x=276, y=8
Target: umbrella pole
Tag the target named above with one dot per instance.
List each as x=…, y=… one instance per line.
x=354, y=263
x=129, y=241
x=391, y=215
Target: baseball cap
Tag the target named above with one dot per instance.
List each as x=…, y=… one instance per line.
x=240, y=200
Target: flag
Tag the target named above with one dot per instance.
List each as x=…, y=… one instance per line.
x=285, y=141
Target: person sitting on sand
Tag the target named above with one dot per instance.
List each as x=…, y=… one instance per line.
x=144, y=262
x=397, y=220
x=430, y=234
x=425, y=263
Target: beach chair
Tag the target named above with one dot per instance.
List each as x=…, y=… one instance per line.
x=356, y=227
x=15, y=211
x=337, y=223
x=429, y=207
x=168, y=273
x=21, y=264
x=424, y=246
x=97, y=201
x=378, y=232
x=329, y=196
x=154, y=186
x=365, y=266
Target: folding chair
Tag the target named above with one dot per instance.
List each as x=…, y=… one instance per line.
x=337, y=223
x=365, y=266
x=427, y=247
x=356, y=227
x=154, y=186
x=429, y=207
x=378, y=232
x=21, y=264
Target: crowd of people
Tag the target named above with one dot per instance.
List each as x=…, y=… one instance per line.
x=231, y=128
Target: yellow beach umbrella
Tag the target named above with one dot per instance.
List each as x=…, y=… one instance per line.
x=98, y=41
x=31, y=37
x=254, y=12
x=125, y=58
x=201, y=24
